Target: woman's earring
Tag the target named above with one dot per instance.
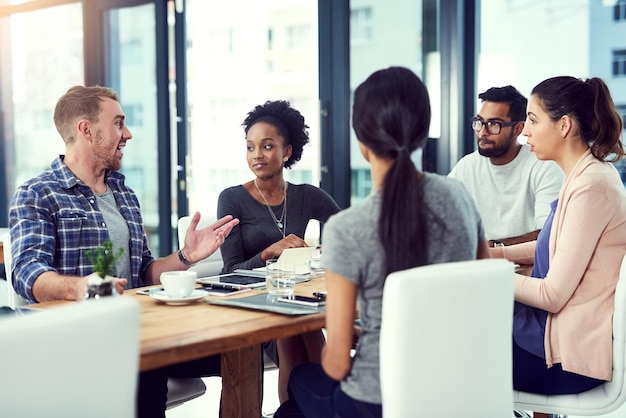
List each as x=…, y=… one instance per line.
x=285, y=159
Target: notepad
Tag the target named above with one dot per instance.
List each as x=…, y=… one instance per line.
x=299, y=257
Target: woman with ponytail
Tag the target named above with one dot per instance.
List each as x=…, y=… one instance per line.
x=562, y=326
x=410, y=219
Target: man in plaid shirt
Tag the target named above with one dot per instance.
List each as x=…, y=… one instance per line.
x=56, y=217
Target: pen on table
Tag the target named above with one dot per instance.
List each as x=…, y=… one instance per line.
x=224, y=286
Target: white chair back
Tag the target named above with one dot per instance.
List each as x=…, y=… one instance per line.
x=13, y=298
x=211, y=265
x=74, y=361
x=445, y=341
x=602, y=399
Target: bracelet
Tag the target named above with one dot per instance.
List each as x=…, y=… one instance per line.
x=183, y=259
x=498, y=244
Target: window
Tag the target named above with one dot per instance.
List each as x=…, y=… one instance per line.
x=37, y=67
x=220, y=40
x=134, y=114
x=591, y=46
x=621, y=109
x=619, y=62
x=240, y=60
x=298, y=36
x=391, y=36
x=130, y=36
x=619, y=10
x=361, y=24
x=132, y=51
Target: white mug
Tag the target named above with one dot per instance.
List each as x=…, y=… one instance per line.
x=179, y=284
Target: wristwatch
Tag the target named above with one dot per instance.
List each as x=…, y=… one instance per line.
x=183, y=259
x=497, y=244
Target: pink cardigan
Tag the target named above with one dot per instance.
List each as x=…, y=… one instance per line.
x=587, y=244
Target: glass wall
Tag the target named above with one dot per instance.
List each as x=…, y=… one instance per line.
x=382, y=34
x=581, y=39
x=131, y=71
x=37, y=67
x=244, y=52
x=559, y=42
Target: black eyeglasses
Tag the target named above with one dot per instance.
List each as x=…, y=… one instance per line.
x=493, y=127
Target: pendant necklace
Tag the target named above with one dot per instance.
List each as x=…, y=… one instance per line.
x=281, y=223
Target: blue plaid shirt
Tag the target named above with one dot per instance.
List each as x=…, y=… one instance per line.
x=54, y=219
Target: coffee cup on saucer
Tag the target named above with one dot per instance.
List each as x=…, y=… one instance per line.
x=179, y=284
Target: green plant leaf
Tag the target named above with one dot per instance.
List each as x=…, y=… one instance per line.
x=103, y=258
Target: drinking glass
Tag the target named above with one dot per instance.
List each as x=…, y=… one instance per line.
x=315, y=263
x=280, y=278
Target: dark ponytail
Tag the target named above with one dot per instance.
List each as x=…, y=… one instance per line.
x=391, y=116
x=606, y=125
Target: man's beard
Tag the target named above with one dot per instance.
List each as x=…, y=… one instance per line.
x=110, y=162
x=498, y=150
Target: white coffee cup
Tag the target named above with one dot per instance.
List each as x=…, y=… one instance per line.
x=179, y=284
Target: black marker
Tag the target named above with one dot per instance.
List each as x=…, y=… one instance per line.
x=223, y=286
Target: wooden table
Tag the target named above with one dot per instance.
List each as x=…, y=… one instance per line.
x=173, y=334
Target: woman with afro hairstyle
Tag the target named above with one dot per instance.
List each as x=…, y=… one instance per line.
x=273, y=213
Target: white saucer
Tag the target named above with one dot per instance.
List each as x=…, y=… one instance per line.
x=196, y=295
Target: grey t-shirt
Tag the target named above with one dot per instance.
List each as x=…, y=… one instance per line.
x=353, y=250
x=118, y=233
x=513, y=198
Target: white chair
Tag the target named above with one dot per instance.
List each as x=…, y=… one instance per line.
x=445, y=340
x=14, y=299
x=211, y=265
x=74, y=361
x=602, y=399
x=180, y=390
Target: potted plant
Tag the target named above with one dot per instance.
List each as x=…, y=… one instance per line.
x=103, y=259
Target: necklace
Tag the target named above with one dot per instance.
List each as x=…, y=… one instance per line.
x=281, y=223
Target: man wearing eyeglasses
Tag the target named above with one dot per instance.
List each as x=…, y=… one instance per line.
x=510, y=186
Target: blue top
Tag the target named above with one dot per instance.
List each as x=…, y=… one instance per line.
x=529, y=323
x=54, y=219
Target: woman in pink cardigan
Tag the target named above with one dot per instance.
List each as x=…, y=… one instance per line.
x=562, y=325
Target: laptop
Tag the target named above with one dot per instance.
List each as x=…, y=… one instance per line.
x=299, y=257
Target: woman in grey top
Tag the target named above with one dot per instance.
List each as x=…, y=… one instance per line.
x=410, y=219
x=274, y=214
